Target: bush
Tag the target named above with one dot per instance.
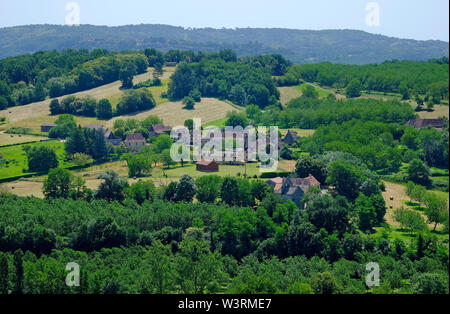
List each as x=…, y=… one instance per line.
x=18, y=130
x=271, y=175
x=188, y=102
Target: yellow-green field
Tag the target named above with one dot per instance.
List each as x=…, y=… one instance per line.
x=437, y=112
x=155, y=90
x=9, y=139
x=300, y=132
x=33, y=115
x=173, y=114
x=35, y=123
x=288, y=93
x=33, y=186
x=398, y=192
x=14, y=160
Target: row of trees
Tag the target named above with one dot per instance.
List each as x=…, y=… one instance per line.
x=131, y=101
x=383, y=146
x=87, y=141
x=408, y=78
x=436, y=208
x=310, y=112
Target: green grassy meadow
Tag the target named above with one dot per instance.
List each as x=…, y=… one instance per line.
x=14, y=161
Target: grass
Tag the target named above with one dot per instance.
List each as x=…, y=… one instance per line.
x=219, y=123
x=32, y=115
x=398, y=191
x=9, y=139
x=440, y=178
x=174, y=114
x=438, y=111
x=175, y=172
x=14, y=160
x=155, y=90
x=322, y=92
x=288, y=93
x=33, y=186
x=378, y=95
x=300, y=132
x=35, y=123
x=399, y=233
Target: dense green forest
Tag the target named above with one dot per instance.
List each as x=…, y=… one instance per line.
x=226, y=78
x=309, y=113
x=177, y=246
x=31, y=78
x=300, y=46
x=408, y=78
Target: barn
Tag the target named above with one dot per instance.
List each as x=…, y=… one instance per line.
x=207, y=166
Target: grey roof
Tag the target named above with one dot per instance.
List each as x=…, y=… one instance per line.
x=110, y=135
x=137, y=137
x=292, y=190
x=94, y=126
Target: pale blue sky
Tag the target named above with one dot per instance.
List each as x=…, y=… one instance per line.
x=417, y=19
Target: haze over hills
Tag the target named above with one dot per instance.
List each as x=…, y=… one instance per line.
x=300, y=46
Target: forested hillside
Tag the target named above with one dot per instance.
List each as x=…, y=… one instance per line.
x=31, y=78
x=299, y=46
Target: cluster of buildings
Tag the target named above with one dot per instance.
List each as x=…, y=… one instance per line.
x=134, y=142
x=292, y=189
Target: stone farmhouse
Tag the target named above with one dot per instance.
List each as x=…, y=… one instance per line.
x=293, y=189
x=135, y=142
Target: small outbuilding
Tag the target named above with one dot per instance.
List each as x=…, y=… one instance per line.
x=47, y=127
x=111, y=138
x=171, y=64
x=207, y=166
x=291, y=138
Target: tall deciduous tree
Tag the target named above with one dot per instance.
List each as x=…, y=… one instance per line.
x=112, y=188
x=41, y=158
x=19, y=272
x=353, y=89
x=104, y=109
x=436, y=209
x=4, y=273
x=186, y=189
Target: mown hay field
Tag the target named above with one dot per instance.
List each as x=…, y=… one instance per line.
x=174, y=114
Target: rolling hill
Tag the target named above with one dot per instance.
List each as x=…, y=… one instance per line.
x=300, y=46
